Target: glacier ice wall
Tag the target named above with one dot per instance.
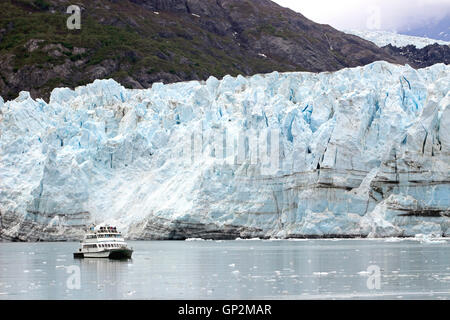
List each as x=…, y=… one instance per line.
x=383, y=38
x=359, y=152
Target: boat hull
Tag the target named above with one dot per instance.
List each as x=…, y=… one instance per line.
x=120, y=254
x=114, y=254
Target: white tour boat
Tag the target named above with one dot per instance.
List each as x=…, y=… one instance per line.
x=103, y=242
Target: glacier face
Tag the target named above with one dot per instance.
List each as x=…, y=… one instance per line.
x=383, y=38
x=358, y=152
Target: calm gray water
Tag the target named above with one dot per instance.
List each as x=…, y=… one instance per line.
x=310, y=269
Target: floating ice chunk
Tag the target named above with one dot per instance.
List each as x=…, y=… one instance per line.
x=194, y=239
x=429, y=238
x=251, y=239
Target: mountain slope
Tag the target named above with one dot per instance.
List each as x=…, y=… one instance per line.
x=422, y=58
x=419, y=52
x=138, y=42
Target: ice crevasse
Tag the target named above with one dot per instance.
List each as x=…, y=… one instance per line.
x=362, y=152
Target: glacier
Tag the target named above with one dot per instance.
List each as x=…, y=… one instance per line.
x=361, y=152
x=384, y=38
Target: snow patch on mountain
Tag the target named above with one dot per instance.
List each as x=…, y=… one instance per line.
x=383, y=38
x=359, y=152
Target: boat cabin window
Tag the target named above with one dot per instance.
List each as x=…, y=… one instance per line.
x=89, y=246
x=109, y=235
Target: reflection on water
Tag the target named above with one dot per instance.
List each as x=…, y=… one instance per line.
x=308, y=269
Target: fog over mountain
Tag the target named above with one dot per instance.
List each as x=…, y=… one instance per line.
x=428, y=18
x=435, y=29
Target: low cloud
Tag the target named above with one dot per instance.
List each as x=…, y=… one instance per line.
x=392, y=15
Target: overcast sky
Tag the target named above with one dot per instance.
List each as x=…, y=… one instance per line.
x=393, y=15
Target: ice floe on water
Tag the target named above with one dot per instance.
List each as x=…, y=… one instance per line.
x=431, y=239
x=321, y=274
